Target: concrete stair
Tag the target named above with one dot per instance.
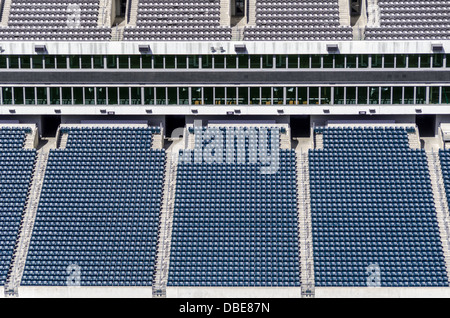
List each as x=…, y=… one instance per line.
x=344, y=12
x=6, y=8
x=117, y=33
x=104, y=13
x=251, y=13
x=441, y=204
x=225, y=18
x=132, y=15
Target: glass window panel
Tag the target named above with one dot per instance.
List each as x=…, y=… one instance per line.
x=158, y=61
x=267, y=61
x=170, y=61
x=434, y=95
x=208, y=95
x=86, y=61
x=124, y=95
x=316, y=61
x=445, y=95
x=25, y=62
x=351, y=61
x=278, y=95
x=99, y=61
x=280, y=61
x=313, y=96
x=194, y=61
x=243, y=95
x=292, y=61
x=339, y=97
x=425, y=60
x=135, y=61
x=374, y=95
x=386, y=95
x=18, y=96
x=111, y=61
x=149, y=95
x=3, y=61
x=421, y=95
x=219, y=61
x=302, y=95
x=182, y=61
x=362, y=95
x=123, y=61
x=7, y=95
x=243, y=61
x=266, y=96
x=136, y=98
x=438, y=60
x=101, y=95
x=78, y=95
x=220, y=96
x=231, y=96
x=74, y=61
x=328, y=61
x=401, y=60
x=49, y=61
x=350, y=96
x=389, y=60
x=291, y=93
x=207, y=61
x=363, y=61
x=66, y=95
x=255, y=61
x=89, y=95
x=304, y=61
x=377, y=61
x=325, y=95
x=41, y=93
x=339, y=61
x=397, y=95
x=231, y=61
x=61, y=61
x=38, y=62
x=409, y=95
x=55, y=95
x=112, y=96
x=30, y=99
x=196, y=93
x=255, y=96
x=146, y=61
x=413, y=61
x=161, y=96
x=184, y=95
x=13, y=61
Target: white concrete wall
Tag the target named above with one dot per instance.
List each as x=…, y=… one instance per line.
x=256, y=47
x=382, y=292
x=233, y=292
x=84, y=292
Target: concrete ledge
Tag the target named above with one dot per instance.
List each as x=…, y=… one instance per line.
x=84, y=292
x=382, y=292
x=233, y=292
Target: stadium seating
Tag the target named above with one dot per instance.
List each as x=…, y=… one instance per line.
x=234, y=226
x=411, y=20
x=99, y=210
x=69, y=20
x=172, y=20
x=16, y=167
x=289, y=20
x=372, y=205
x=444, y=156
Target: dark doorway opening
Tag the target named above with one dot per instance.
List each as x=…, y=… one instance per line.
x=301, y=126
x=426, y=125
x=173, y=122
x=240, y=8
x=50, y=124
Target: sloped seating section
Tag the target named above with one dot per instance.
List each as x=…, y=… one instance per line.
x=233, y=225
x=411, y=20
x=444, y=156
x=99, y=210
x=16, y=168
x=372, y=208
x=175, y=20
x=68, y=20
x=303, y=20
